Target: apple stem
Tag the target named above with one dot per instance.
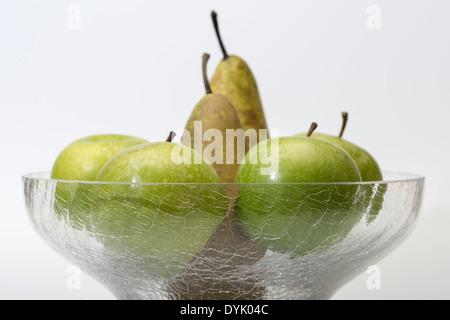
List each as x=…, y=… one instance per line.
x=171, y=136
x=216, y=27
x=344, y=123
x=205, y=76
x=311, y=129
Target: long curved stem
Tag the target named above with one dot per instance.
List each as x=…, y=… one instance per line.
x=216, y=27
x=205, y=75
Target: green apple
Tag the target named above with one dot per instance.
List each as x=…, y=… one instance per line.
x=299, y=209
x=367, y=165
x=156, y=209
x=81, y=161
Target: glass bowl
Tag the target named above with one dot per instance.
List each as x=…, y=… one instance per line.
x=230, y=241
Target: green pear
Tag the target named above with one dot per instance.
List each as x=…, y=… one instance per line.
x=215, y=118
x=223, y=252
x=367, y=165
x=300, y=208
x=219, y=271
x=234, y=79
x=157, y=207
x=81, y=161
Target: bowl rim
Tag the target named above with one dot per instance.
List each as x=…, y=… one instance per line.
x=405, y=177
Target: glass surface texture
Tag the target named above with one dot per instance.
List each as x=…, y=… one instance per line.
x=230, y=241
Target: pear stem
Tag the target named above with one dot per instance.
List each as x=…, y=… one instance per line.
x=171, y=136
x=205, y=75
x=311, y=129
x=216, y=27
x=344, y=123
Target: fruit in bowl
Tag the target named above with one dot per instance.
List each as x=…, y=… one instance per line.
x=82, y=160
x=367, y=165
x=298, y=209
x=212, y=117
x=158, y=201
x=234, y=79
x=160, y=219
x=147, y=205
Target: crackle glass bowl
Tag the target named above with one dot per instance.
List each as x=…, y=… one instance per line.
x=230, y=241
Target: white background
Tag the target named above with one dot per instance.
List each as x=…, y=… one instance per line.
x=134, y=67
